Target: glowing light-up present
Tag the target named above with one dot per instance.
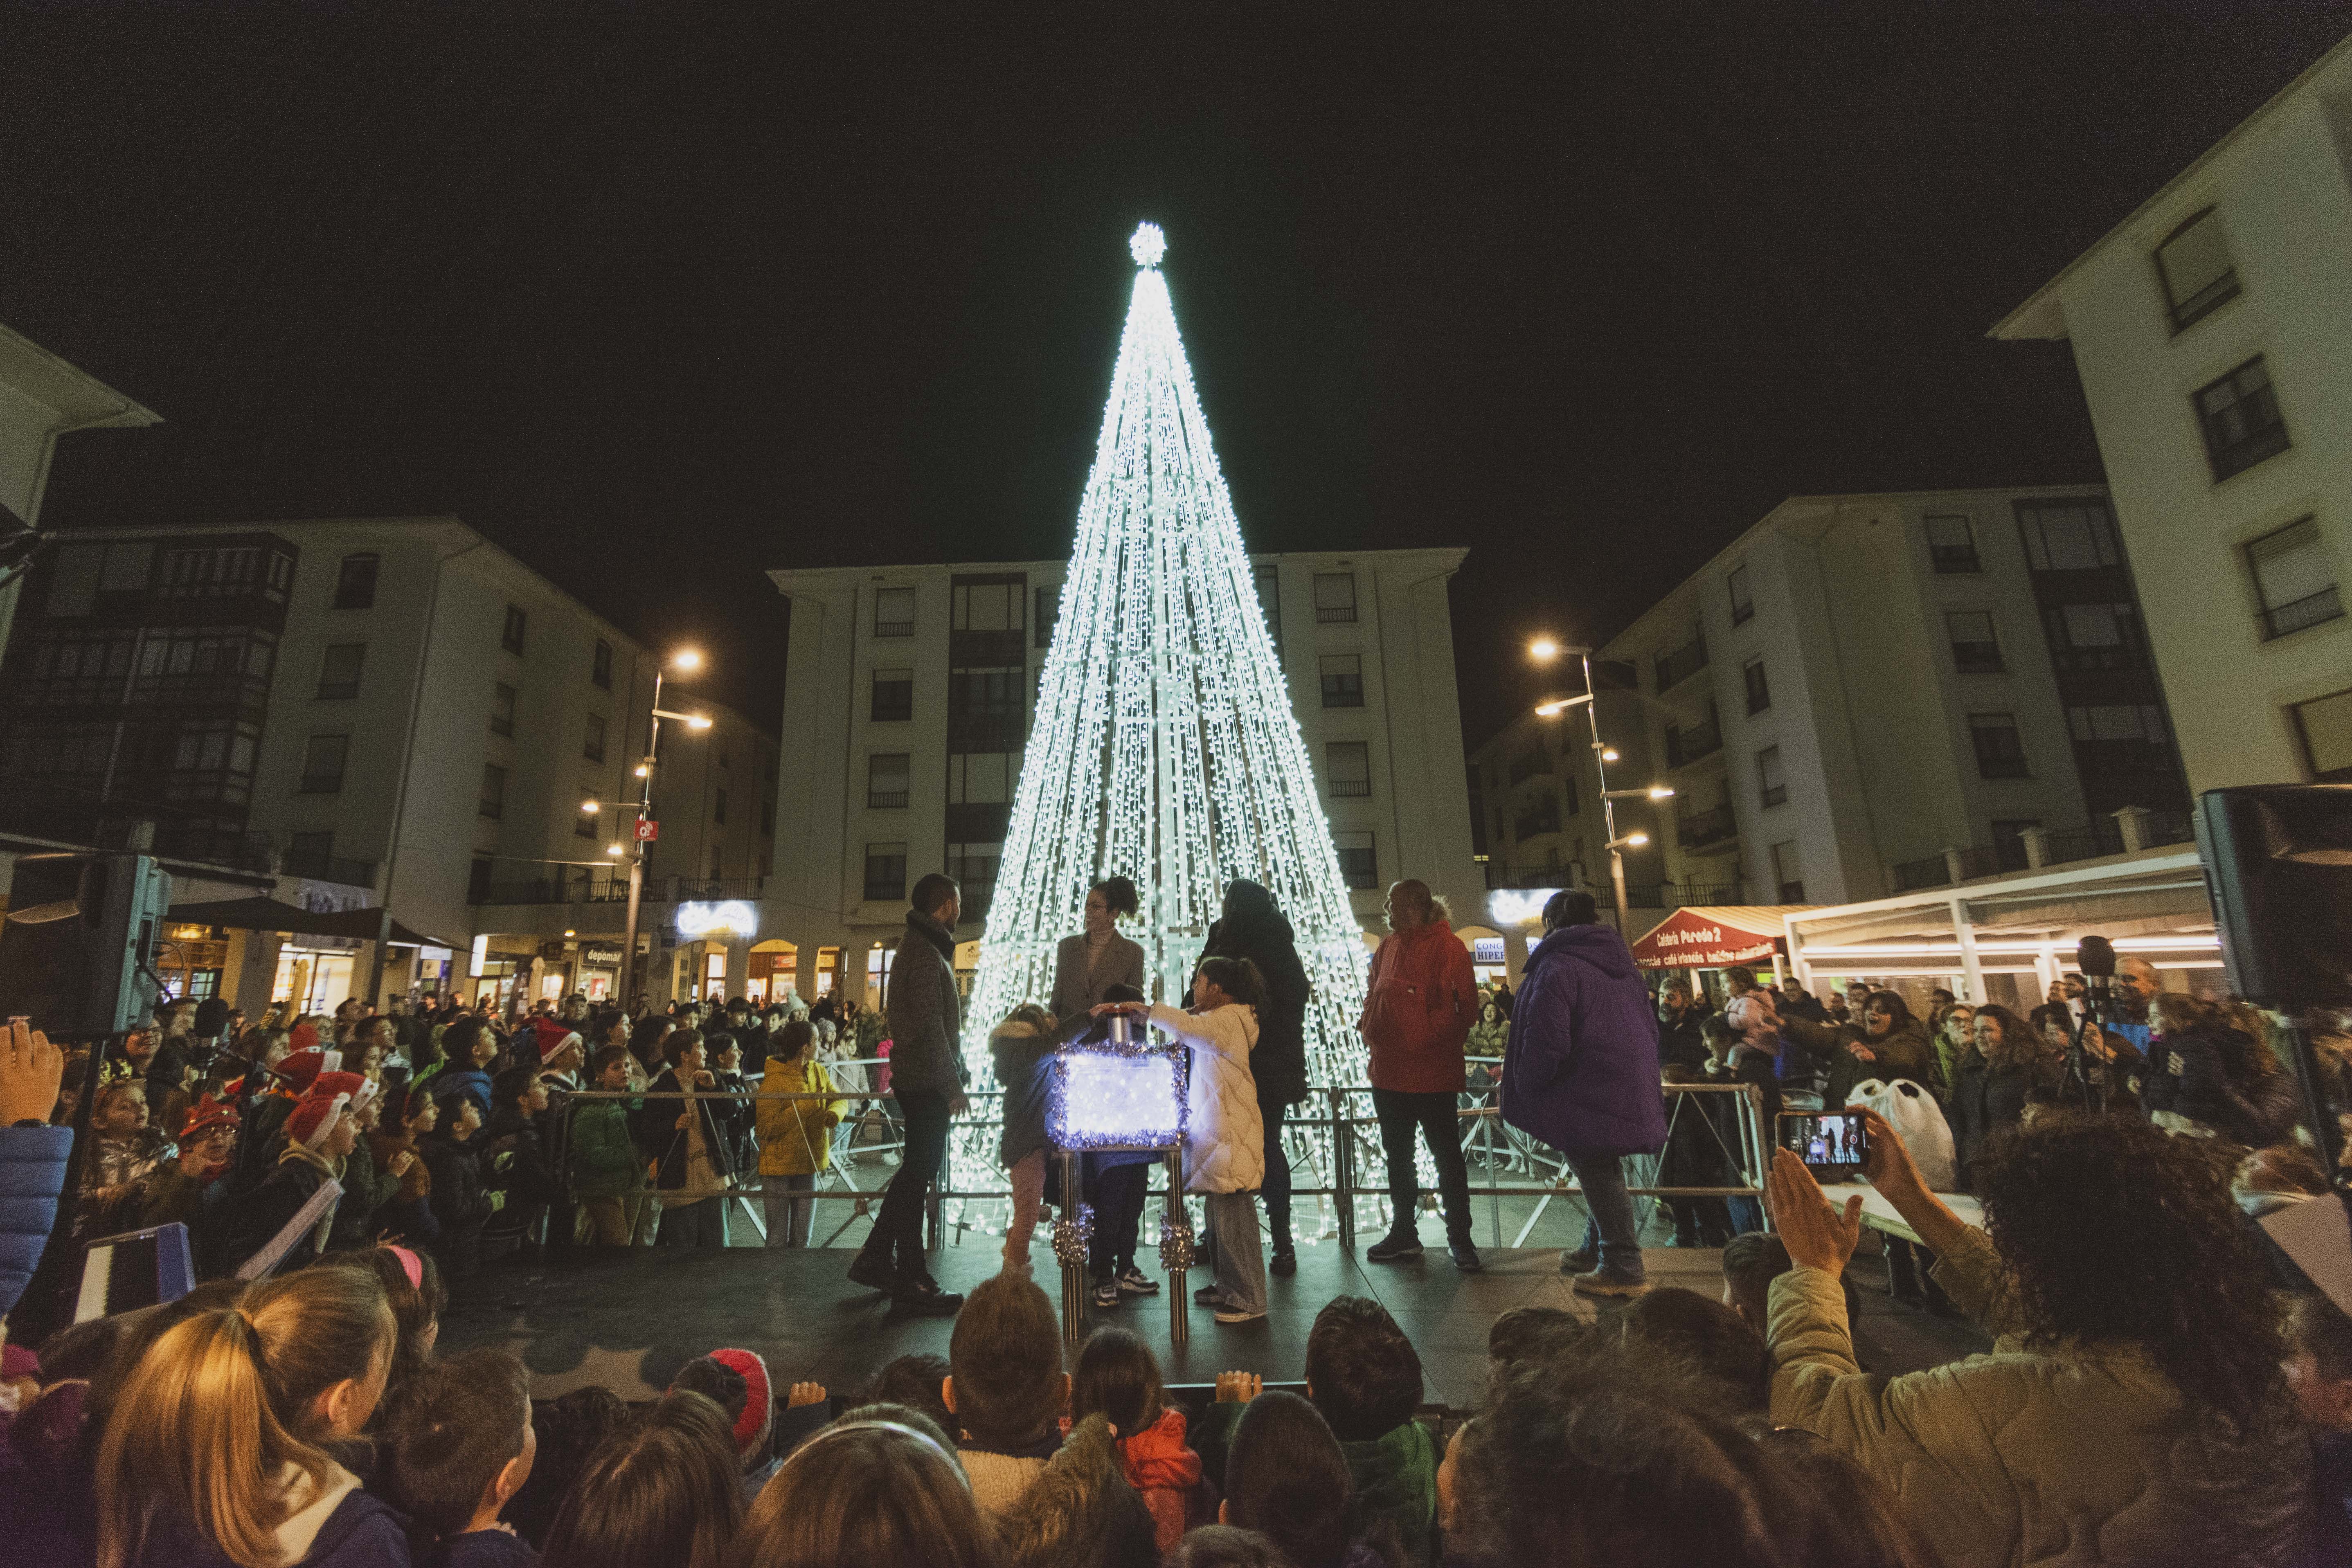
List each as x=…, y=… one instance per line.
x=1106, y=1097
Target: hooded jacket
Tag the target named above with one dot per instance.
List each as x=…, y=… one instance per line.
x=926, y=1013
x=1396, y=1486
x=1224, y=1136
x=1080, y=1512
x=32, y=1174
x=1251, y=926
x=1023, y=1062
x=796, y=1135
x=1580, y=1070
x=1418, y=1009
x=1165, y=1471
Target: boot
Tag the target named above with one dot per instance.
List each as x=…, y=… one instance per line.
x=872, y=1268
x=1283, y=1260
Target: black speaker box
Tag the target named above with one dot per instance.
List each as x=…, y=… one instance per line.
x=2278, y=865
x=77, y=931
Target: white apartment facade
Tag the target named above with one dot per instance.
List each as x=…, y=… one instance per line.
x=908, y=696
x=396, y=710
x=1860, y=695
x=2212, y=334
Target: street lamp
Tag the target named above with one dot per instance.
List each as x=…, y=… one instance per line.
x=1543, y=650
x=685, y=660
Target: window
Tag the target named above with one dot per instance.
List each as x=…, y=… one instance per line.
x=1348, y=764
x=2193, y=265
x=1268, y=582
x=886, y=871
x=1952, y=545
x=322, y=764
x=338, y=671
x=893, y=694
x=1788, y=872
x=1976, y=647
x=1759, y=690
x=600, y=668
x=2001, y=752
x=2009, y=842
x=1049, y=610
x=2095, y=636
x=591, y=745
x=355, y=582
x=983, y=778
x=986, y=607
x=1343, y=679
x=987, y=710
x=1770, y=780
x=719, y=808
x=973, y=866
x=502, y=707
x=585, y=823
x=2323, y=725
x=1743, y=603
x=494, y=790
x=2241, y=419
x=2120, y=738
x=510, y=637
x=2068, y=536
x=887, y=780
x=1359, y=867
x=2294, y=578
x=1334, y=597
x=894, y=612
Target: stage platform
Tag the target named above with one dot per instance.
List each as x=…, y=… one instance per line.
x=630, y=1319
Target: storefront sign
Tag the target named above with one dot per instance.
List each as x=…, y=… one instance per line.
x=731, y=918
x=1487, y=950
x=601, y=957
x=1708, y=939
x=647, y=830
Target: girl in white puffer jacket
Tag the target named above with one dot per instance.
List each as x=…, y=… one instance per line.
x=1224, y=1145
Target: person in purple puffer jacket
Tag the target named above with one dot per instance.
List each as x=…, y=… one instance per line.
x=1580, y=1073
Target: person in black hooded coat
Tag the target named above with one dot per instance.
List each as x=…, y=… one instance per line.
x=1253, y=927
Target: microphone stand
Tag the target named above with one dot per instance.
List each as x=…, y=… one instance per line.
x=2079, y=1079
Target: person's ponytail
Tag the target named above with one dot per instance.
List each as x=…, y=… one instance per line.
x=223, y=1404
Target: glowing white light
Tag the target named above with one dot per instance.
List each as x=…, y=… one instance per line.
x=1519, y=906
x=732, y=917
x=1543, y=648
x=1164, y=748
x=1102, y=1100
x=1147, y=245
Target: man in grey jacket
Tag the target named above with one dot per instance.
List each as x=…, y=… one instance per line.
x=927, y=1076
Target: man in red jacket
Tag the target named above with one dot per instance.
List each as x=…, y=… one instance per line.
x=1423, y=1000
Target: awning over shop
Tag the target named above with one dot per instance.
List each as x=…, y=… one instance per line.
x=1715, y=937
x=270, y=914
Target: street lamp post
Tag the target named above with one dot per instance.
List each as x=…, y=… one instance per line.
x=634, y=848
x=1544, y=650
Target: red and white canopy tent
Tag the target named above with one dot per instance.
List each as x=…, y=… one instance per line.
x=1717, y=937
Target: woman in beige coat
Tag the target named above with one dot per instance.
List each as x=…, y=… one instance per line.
x=2132, y=1408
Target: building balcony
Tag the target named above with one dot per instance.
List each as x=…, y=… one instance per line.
x=1702, y=828
x=597, y=884
x=2309, y=611
x=1675, y=667
x=1684, y=746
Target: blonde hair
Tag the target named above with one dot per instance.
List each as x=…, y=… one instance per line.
x=222, y=1405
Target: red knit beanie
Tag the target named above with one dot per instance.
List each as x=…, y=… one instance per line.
x=330, y=1095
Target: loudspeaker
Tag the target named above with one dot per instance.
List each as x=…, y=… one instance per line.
x=78, y=948
x=2278, y=867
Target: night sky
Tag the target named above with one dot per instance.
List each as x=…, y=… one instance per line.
x=658, y=299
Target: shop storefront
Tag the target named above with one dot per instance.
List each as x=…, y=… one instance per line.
x=1703, y=941
x=600, y=968
x=316, y=978
x=192, y=959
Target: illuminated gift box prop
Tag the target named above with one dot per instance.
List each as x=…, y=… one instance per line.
x=1116, y=1095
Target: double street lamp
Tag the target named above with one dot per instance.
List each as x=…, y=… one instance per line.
x=1543, y=650
x=632, y=849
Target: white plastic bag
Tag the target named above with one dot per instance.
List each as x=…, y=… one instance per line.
x=1919, y=1120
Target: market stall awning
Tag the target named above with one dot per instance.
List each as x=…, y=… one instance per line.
x=1715, y=937
x=270, y=914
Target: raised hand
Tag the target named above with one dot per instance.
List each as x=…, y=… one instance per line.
x=805, y=1394
x=31, y=1070
x=1239, y=1387
x=1817, y=1235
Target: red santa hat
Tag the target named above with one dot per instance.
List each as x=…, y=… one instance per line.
x=204, y=1115
x=553, y=1035
x=301, y=1069
x=756, y=1397
x=330, y=1094
x=303, y=1037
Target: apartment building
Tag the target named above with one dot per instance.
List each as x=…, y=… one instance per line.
x=910, y=693
x=2210, y=332
x=1859, y=696
x=395, y=710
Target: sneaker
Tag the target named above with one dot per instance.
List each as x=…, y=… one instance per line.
x=874, y=1271
x=1107, y=1293
x=1134, y=1281
x=1601, y=1282
x=1580, y=1261
x=919, y=1292
x=1231, y=1314
x=1209, y=1296
x=1284, y=1263
x=1464, y=1255
x=1396, y=1244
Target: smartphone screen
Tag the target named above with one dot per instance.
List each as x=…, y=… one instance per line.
x=1831, y=1143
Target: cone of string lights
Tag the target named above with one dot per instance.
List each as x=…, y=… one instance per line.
x=1164, y=747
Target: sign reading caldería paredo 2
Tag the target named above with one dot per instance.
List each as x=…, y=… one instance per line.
x=1707, y=939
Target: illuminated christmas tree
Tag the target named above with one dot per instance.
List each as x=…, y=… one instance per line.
x=1164, y=748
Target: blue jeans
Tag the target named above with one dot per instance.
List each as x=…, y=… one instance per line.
x=1612, y=1231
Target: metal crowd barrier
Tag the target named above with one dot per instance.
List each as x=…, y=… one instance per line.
x=1352, y=1134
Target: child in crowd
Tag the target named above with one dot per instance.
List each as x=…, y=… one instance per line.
x=1710, y=1338
x=666, y=1489
x=2319, y=1372
x=1524, y=1333
x=795, y=1135
x=220, y=1450
x=1288, y=1479
x=737, y=1381
x=735, y=1116
x=914, y=1381
x=874, y=1489
x=1050, y=1499
x=1732, y=1060
x=608, y=1173
x=1224, y=1153
x=461, y=1446
x=568, y=1429
x=1227, y=1546
x=412, y=1284
x=1364, y=1378
x=1119, y=1378
x=1022, y=1049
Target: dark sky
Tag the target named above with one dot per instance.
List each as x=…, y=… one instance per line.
x=658, y=298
